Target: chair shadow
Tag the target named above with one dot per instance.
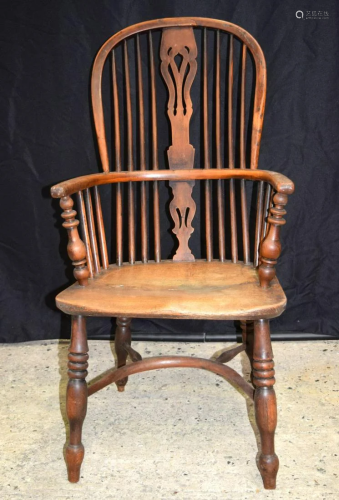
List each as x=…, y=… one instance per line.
x=62, y=360
x=246, y=373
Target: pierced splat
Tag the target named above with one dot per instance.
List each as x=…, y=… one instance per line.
x=178, y=54
x=182, y=209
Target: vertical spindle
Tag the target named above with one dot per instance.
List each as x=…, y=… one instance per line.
x=209, y=251
x=84, y=232
x=220, y=184
x=144, y=250
x=130, y=163
x=234, y=239
x=91, y=230
x=244, y=222
x=101, y=228
x=119, y=247
x=267, y=204
x=258, y=225
x=157, y=249
x=244, y=214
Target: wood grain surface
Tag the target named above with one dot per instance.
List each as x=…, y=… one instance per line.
x=200, y=289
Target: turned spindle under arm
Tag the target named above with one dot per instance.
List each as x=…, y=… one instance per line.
x=271, y=247
x=76, y=248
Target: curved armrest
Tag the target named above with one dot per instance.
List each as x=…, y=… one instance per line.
x=279, y=182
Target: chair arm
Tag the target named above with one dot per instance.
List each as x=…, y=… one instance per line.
x=269, y=250
x=279, y=182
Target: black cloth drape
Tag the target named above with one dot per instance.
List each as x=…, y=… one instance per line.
x=47, y=136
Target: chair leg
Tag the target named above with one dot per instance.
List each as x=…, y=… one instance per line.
x=76, y=399
x=247, y=328
x=265, y=401
x=122, y=336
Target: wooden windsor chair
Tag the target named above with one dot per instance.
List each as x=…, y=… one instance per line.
x=235, y=277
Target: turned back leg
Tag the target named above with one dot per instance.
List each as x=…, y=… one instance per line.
x=122, y=336
x=265, y=401
x=76, y=399
x=247, y=329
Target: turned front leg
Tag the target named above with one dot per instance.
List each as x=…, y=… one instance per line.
x=265, y=401
x=76, y=401
x=122, y=336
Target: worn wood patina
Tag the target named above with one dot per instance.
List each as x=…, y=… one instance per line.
x=237, y=279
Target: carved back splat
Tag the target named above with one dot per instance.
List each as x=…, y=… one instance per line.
x=178, y=54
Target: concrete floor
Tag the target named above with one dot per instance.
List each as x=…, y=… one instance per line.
x=181, y=434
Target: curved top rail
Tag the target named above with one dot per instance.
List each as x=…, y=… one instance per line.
x=243, y=35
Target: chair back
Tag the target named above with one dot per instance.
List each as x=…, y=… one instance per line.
x=182, y=93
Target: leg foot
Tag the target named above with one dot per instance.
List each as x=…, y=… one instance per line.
x=122, y=336
x=265, y=402
x=76, y=399
x=74, y=458
x=268, y=466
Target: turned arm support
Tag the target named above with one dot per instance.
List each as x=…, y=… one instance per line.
x=270, y=247
x=279, y=182
x=75, y=248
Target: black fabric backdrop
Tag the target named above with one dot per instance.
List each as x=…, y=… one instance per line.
x=47, y=136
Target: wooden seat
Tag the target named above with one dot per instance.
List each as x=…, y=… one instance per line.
x=176, y=290
x=207, y=181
